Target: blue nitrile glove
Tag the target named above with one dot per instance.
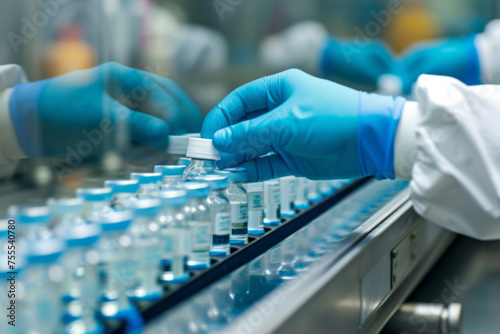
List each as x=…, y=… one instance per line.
x=456, y=57
x=360, y=63
x=315, y=127
x=76, y=110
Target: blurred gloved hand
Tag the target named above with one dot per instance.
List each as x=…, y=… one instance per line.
x=314, y=127
x=53, y=116
x=355, y=62
x=456, y=57
x=307, y=46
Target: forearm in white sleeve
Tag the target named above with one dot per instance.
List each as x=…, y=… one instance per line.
x=10, y=151
x=455, y=158
x=488, y=49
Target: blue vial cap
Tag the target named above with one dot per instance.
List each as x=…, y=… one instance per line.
x=122, y=186
x=145, y=207
x=44, y=250
x=170, y=170
x=216, y=182
x=61, y=206
x=196, y=189
x=116, y=220
x=173, y=197
x=27, y=214
x=146, y=178
x=236, y=174
x=184, y=161
x=83, y=235
x=94, y=194
x=4, y=228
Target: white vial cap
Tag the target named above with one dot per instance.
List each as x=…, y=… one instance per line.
x=177, y=145
x=200, y=148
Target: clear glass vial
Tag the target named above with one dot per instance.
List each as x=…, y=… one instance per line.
x=146, y=247
x=288, y=190
x=175, y=238
x=123, y=191
x=172, y=175
x=117, y=263
x=301, y=202
x=255, y=196
x=238, y=200
x=149, y=183
x=203, y=157
x=198, y=217
x=40, y=280
x=313, y=194
x=65, y=212
x=80, y=284
x=220, y=213
x=272, y=200
x=97, y=202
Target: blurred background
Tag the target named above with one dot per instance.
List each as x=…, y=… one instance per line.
x=207, y=47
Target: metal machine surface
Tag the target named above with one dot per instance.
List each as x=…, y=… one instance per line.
x=349, y=280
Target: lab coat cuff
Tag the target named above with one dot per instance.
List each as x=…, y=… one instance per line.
x=405, y=146
x=10, y=149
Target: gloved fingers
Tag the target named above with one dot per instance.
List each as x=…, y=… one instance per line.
x=249, y=100
x=153, y=95
x=139, y=127
x=266, y=168
x=252, y=137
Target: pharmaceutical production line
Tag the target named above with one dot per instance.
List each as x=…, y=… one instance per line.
x=370, y=251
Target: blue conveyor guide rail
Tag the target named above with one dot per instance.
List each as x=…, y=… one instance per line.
x=257, y=245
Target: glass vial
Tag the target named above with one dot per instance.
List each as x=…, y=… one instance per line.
x=301, y=202
x=172, y=175
x=149, y=183
x=238, y=200
x=272, y=200
x=123, y=191
x=203, y=157
x=97, y=202
x=313, y=194
x=175, y=236
x=255, y=193
x=146, y=247
x=198, y=217
x=288, y=190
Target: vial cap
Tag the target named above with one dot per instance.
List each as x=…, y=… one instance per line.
x=44, y=250
x=196, y=189
x=145, y=207
x=61, y=206
x=26, y=214
x=236, y=174
x=173, y=197
x=216, y=182
x=94, y=194
x=170, y=170
x=177, y=145
x=146, y=178
x=116, y=220
x=200, y=148
x=184, y=161
x=122, y=186
x=83, y=235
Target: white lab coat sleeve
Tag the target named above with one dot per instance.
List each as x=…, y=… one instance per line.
x=10, y=150
x=451, y=145
x=488, y=49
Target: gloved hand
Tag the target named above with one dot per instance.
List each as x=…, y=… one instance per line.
x=316, y=128
x=307, y=46
x=68, y=112
x=456, y=57
x=355, y=62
